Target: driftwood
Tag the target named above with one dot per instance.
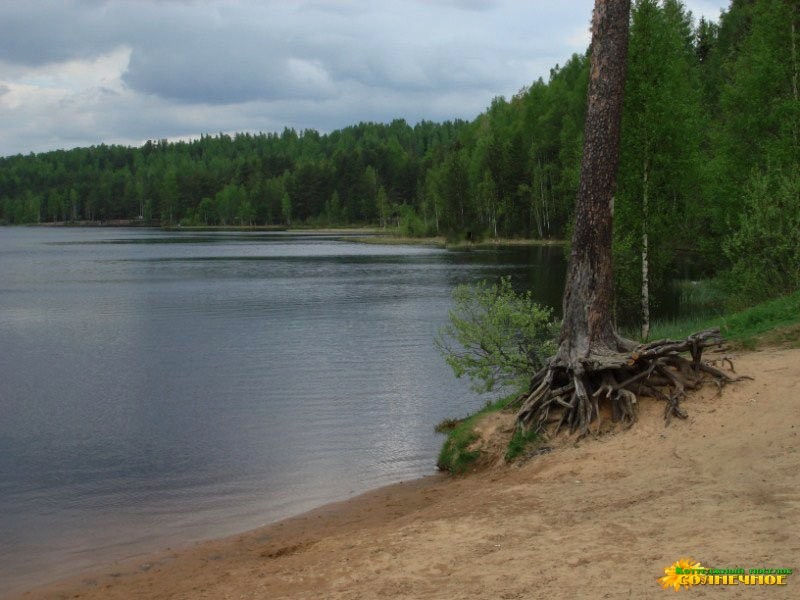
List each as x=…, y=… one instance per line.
x=570, y=396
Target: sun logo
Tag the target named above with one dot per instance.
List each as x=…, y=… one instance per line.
x=675, y=575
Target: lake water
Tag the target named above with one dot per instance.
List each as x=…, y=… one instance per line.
x=160, y=388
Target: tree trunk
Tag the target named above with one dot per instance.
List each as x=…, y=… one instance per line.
x=546, y=207
x=645, y=257
x=588, y=296
x=593, y=363
x=794, y=71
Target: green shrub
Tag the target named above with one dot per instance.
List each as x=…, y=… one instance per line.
x=496, y=337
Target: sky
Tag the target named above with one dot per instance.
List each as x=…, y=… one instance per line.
x=79, y=73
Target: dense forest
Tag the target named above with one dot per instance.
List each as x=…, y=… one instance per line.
x=708, y=178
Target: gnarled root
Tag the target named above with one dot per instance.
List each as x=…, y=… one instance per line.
x=569, y=395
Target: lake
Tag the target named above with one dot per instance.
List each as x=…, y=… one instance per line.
x=159, y=388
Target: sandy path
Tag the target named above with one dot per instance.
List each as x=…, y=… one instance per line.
x=600, y=520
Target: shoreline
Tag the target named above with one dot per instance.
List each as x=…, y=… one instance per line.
x=442, y=242
x=286, y=536
x=360, y=235
x=605, y=515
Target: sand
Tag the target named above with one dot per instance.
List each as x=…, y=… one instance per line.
x=600, y=519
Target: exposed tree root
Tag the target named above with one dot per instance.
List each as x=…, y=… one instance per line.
x=569, y=395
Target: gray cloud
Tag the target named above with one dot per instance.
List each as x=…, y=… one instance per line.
x=43, y=32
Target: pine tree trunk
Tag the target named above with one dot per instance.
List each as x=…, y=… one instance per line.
x=544, y=205
x=794, y=60
x=645, y=257
x=794, y=71
x=588, y=315
x=593, y=364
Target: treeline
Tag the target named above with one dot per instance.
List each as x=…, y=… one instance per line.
x=347, y=176
x=708, y=175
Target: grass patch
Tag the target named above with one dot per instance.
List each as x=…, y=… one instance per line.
x=747, y=327
x=455, y=456
x=519, y=442
x=783, y=336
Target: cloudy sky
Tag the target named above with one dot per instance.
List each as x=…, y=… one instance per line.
x=76, y=73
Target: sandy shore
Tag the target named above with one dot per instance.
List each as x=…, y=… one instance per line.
x=598, y=520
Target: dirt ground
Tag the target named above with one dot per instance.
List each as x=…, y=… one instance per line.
x=600, y=519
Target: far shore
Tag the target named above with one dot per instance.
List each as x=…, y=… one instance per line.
x=358, y=234
x=603, y=517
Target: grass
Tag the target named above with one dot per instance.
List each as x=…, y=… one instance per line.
x=456, y=456
x=519, y=442
x=776, y=320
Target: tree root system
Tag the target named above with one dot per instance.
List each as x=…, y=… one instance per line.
x=568, y=394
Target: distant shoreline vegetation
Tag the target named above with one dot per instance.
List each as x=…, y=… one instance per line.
x=356, y=234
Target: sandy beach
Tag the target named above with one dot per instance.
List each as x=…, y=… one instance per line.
x=601, y=518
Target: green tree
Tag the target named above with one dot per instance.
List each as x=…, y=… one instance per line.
x=384, y=207
x=170, y=195
x=659, y=165
x=286, y=208
x=765, y=250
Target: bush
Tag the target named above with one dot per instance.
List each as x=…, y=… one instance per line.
x=496, y=337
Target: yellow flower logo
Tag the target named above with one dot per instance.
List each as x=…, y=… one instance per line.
x=675, y=575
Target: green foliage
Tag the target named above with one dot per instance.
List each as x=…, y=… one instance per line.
x=519, y=443
x=286, y=208
x=457, y=454
x=701, y=297
x=411, y=224
x=739, y=326
x=496, y=337
x=765, y=251
x=660, y=163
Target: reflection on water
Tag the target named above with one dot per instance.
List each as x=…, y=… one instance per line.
x=159, y=388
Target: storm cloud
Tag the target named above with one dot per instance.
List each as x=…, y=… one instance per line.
x=79, y=73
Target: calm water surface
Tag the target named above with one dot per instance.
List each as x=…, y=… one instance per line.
x=159, y=388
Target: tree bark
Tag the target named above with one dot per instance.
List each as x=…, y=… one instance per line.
x=794, y=69
x=645, y=257
x=588, y=297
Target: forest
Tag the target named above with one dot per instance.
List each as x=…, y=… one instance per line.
x=708, y=182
